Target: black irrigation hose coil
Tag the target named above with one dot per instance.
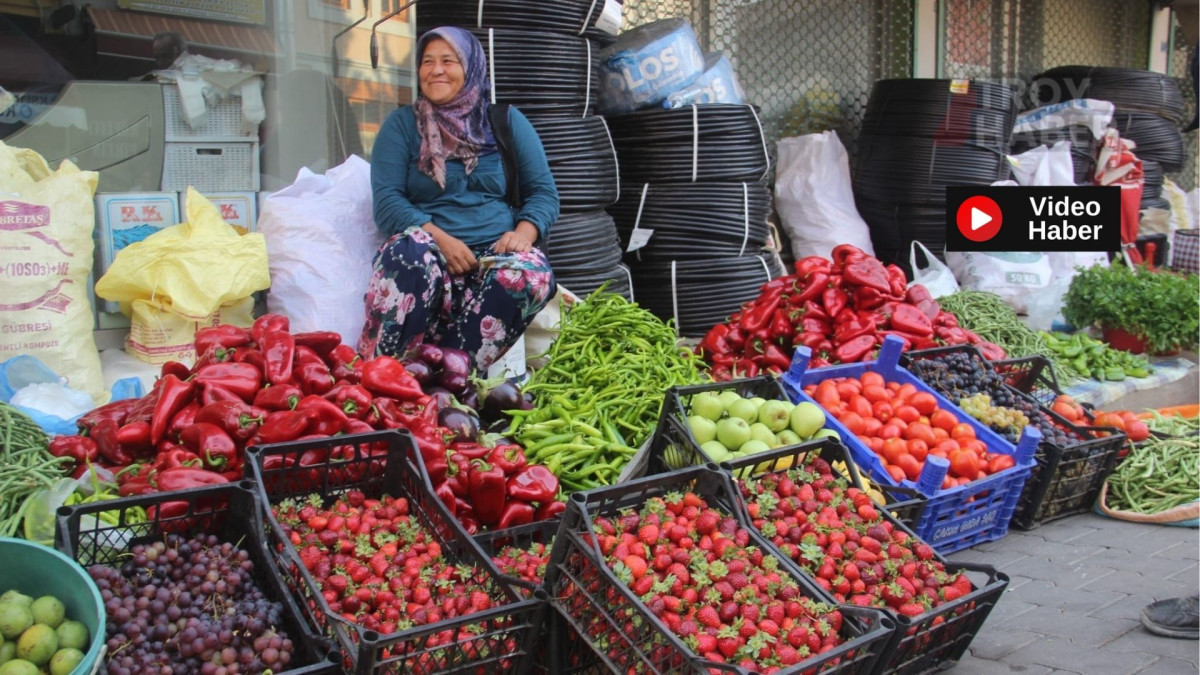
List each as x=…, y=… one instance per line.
x=582, y=159
x=618, y=279
x=583, y=243
x=889, y=222
x=1084, y=147
x=562, y=79
x=1157, y=138
x=569, y=17
x=942, y=109
x=1127, y=88
x=699, y=294
x=1152, y=179
x=693, y=221
x=1155, y=203
x=913, y=170
x=697, y=143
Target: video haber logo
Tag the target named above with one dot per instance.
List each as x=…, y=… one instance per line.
x=979, y=218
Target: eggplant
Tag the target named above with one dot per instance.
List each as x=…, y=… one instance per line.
x=422, y=372
x=457, y=361
x=456, y=383
x=503, y=396
x=429, y=354
x=463, y=423
x=441, y=397
x=470, y=399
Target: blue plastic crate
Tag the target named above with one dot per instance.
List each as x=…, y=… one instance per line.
x=955, y=518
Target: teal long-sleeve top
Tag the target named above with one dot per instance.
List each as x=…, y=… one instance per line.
x=473, y=207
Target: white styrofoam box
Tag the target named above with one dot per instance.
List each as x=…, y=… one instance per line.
x=239, y=209
x=125, y=217
x=223, y=121
x=211, y=167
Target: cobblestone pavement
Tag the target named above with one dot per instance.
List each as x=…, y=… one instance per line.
x=1077, y=587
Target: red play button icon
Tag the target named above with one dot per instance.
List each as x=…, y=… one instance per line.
x=979, y=218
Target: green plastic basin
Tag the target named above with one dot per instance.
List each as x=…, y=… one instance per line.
x=36, y=570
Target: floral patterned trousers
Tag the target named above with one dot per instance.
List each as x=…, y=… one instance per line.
x=412, y=298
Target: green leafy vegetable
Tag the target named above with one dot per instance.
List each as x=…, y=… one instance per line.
x=1161, y=308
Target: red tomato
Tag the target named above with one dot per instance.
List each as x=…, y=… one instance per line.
x=908, y=413
x=964, y=463
x=919, y=432
x=869, y=379
x=1066, y=410
x=889, y=430
x=875, y=393
x=945, y=448
x=893, y=386
x=1138, y=431
x=909, y=465
x=919, y=449
x=961, y=431
x=881, y=410
x=906, y=391
x=943, y=419
x=896, y=473
x=999, y=463
x=898, y=423
x=847, y=388
x=940, y=434
x=872, y=426
x=861, y=405
x=893, y=449
x=852, y=421
x=924, y=402
x=1106, y=419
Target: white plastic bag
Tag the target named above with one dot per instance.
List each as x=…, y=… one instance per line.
x=936, y=277
x=1014, y=276
x=814, y=197
x=1089, y=112
x=321, y=239
x=1044, y=165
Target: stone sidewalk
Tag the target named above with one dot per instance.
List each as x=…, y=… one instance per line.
x=1077, y=586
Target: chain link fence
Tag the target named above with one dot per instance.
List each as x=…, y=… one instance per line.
x=1180, y=63
x=808, y=65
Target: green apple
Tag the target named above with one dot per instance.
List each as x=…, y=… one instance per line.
x=727, y=398
x=707, y=404
x=702, y=428
x=732, y=432
x=807, y=418
x=716, y=451
x=788, y=437
x=776, y=415
x=745, y=409
x=758, y=400
x=827, y=433
x=753, y=447
x=760, y=432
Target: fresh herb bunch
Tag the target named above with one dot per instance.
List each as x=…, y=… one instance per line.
x=1160, y=308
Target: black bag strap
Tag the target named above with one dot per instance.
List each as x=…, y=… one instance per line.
x=502, y=131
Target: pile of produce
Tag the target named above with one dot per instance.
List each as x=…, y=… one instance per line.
x=903, y=426
x=38, y=634
x=26, y=466
x=598, y=396
x=1094, y=358
x=728, y=426
x=1124, y=420
x=189, y=606
x=265, y=385
x=377, y=566
x=726, y=598
x=1157, y=307
x=842, y=309
x=1159, y=474
x=1172, y=425
x=835, y=533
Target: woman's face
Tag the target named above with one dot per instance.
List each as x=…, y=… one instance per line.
x=441, y=73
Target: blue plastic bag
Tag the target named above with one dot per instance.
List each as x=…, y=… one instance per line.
x=22, y=371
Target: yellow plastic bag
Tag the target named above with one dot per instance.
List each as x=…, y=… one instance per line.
x=198, y=273
x=46, y=223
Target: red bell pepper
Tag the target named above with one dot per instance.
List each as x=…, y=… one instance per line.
x=458, y=472
x=909, y=319
x=944, y=318
x=905, y=341
x=431, y=444
x=868, y=273
x=177, y=369
x=466, y=515
x=175, y=394
x=833, y=300
x=242, y=379
x=307, y=355
x=279, y=348
x=283, y=426
x=212, y=392
x=313, y=378
x=813, y=310
x=809, y=339
x=868, y=298
x=354, y=426
x=280, y=397
x=775, y=359
x=322, y=342
x=253, y=358
x=736, y=337
x=851, y=329
x=550, y=510
x=813, y=263
x=897, y=281
x=79, y=448
x=135, y=436
x=470, y=449
x=225, y=336
x=759, y=315
x=345, y=364
x=991, y=351
x=171, y=516
x=781, y=326
x=447, y=497
x=510, y=457
x=846, y=254
x=267, y=323
x=214, y=355
x=135, y=479
x=813, y=286
x=213, y=445
x=811, y=325
x=919, y=297
x=854, y=350
x=328, y=419
x=117, y=411
x=714, y=341
x=487, y=487
x=385, y=376
x=238, y=420
x=514, y=514
x=184, y=478
x=534, y=483
x=744, y=368
x=182, y=420
x=177, y=457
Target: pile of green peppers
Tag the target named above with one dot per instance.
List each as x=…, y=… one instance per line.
x=1089, y=356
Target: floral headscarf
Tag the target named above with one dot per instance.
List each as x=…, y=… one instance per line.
x=458, y=129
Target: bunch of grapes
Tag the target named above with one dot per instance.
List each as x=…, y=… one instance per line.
x=189, y=606
x=1005, y=421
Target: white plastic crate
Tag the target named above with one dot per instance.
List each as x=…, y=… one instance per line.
x=211, y=167
x=223, y=121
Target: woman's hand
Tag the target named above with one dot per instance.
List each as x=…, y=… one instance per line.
x=459, y=259
x=519, y=240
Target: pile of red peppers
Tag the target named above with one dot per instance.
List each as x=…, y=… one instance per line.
x=266, y=385
x=842, y=308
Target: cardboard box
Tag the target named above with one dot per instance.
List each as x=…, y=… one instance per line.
x=123, y=218
x=239, y=209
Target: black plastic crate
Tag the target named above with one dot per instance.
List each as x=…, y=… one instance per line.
x=223, y=510
x=560, y=649
x=627, y=636
x=377, y=464
x=1067, y=478
x=932, y=641
x=673, y=446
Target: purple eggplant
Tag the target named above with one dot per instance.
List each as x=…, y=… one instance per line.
x=456, y=361
x=441, y=397
x=421, y=371
x=431, y=355
x=470, y=398
x=503, y=396
x=463, y=423
x=457, y=383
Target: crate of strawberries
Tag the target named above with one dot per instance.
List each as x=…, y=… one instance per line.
x=378, y=564
x=821, y=519
x=900, y=432
x=665, y=574
x=190, y=588
x=1074, y=457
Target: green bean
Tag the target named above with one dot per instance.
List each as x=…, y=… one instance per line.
x=26, y=466
x=1158, y=475
x=1173, y=425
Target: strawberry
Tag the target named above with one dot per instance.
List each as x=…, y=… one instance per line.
x=728, y=646
x=708, y=616
x=749, y=613
x=787, y=655
x=911, y=609
x=923, y=551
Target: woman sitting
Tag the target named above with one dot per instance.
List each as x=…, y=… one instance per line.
x=461, y=267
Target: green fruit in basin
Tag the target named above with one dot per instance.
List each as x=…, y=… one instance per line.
x=14, y=619
x=65, y=661
x=37, y=644
x=72, y=635
x=48, y=610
